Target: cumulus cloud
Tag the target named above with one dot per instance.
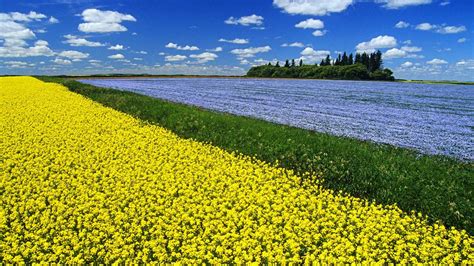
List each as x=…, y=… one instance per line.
x=245, y=21
x=217, y=49
x=437, y=61
x=294, y=44
x=310, y=24
x=40, y=48
x=18, y=64
x=319, y=33
x=411, y=49
x=103, y=21
x=204, y=57
x=53, y=20
x=116, y=47
x=74, y=55
x=250, y=52
x=384, y=41
x=451, y=29
x=22, y=17
x=312, y=7
x=235, y=41
x=425, y=26
x=116, y=56
x=462, y=40
x=395, y=4
x=402, y=24
x=184, y=48
x=175, y=58
x=73, y=40
x=407, y=64
x=394, y=53
x=61, y=61
x=443, y=29
x=311, y=56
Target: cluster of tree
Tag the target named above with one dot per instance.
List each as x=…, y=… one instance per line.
x=361, y=67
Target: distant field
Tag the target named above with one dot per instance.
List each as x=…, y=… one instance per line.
x=437, y=186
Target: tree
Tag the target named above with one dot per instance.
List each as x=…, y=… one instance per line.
x=287, y=63
x=322, y=62
x=345, y=59
x=357, y=59
x=277, y=64
x=364, y=59
x=350, y=60
x=269, y=63
x=293, y=63
x=327, y=62
x=378, y=60
x=301, y=62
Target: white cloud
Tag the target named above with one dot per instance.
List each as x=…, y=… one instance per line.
x=443, y=29
x=184, y=48
x=73, y=40
x=311, y=56
x=103, y=21
x=402, y=24
x=175, y=58
x=451, y=29
x=395, y=4
x=294, y=44
x=425, y=26
x=116, y=47
x=141, y=52
x=116, y=56
x=245, y=21
x=462, y=40
x=444, y=3
x=217, y=49
x=40, y=48
x=310, y=24
x=407, y=64
x=384, y=41
x=394, y=53
x=312, y=7
x=53, y=20
x=22, y=17
x=204, y=57
x=235, y=41
x=319, y=33
x=437, y=61
x=250, y=52
x=73, y=54
x=18, y=64
x=60, y=61
x=411, y=49
x=13, y=30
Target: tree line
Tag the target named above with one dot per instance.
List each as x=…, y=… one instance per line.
x=362, y=66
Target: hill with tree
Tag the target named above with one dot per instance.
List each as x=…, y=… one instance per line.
x=362, y=66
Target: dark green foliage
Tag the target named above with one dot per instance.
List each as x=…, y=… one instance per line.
x=365, y=67
x=357, y=72
x=437, y=186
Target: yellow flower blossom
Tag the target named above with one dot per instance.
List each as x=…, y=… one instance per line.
x=83, y=183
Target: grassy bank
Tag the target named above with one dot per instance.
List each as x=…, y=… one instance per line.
x=437, y=186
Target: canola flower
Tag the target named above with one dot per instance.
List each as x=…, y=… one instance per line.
x=83, y=183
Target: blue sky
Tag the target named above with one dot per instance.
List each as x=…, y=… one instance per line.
x=420, y=39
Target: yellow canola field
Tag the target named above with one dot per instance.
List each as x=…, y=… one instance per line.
x=83, y=183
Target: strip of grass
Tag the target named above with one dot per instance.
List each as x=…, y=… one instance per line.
x=437, y=186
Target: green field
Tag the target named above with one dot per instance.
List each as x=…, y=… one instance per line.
x=437, y=186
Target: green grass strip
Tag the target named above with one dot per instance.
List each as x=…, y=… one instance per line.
x=437, y=186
